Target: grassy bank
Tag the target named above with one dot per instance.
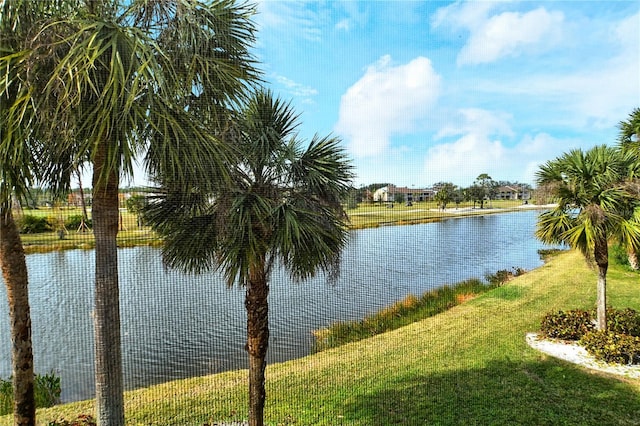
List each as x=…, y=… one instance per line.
x=408, y=310
x=374, y=215
x=364, y=216
x=130, y=233
x=468, y=365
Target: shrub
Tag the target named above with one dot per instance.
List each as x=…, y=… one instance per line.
x=82, y=420
x=619, y=255
x=29, y=224
x=46, y=389
x=623, y=321
x=612, y=347
x=546, y=254
x=6, y=397
x=503, y=275
x=569, y=325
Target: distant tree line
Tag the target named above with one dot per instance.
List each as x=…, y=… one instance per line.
x=484, y=189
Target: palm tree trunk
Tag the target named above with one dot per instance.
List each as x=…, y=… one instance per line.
x=14, y=272
x=256, y=303
x=632, y=256
x=84, y=226
x=108, y=358
x=601, y=255
x=601, y=301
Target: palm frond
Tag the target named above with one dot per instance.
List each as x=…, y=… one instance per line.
x=553, y=225
x=281, y=205
x=630, y=130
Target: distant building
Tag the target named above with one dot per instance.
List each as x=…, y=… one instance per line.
x=392, y=193
x=513, y=193
x=74, y=200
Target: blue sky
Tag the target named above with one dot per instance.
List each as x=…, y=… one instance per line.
x=422, y=92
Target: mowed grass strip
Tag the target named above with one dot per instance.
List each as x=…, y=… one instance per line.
x=410, y=309
x=468, y=365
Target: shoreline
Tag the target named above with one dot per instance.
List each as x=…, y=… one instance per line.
x=145, y=237
x=464, y=210
x=438, y=215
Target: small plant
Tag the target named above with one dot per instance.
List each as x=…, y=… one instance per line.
x=464, y=297
x=503, y=275
x=546, y=254
x=6, y=396
x=569, y=325
x=612, y=347
x=47, y=391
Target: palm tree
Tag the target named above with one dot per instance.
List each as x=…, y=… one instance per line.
x=629, y=139
x=17, y=171
x=14, y=272
x=282, y=207
x=112, y=81
x=630, y=129
x=594, y=206
x=14, y=178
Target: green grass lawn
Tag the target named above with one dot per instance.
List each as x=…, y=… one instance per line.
x=130, y=233
x=467, y=366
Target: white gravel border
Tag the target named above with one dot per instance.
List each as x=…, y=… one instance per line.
x=576, y=354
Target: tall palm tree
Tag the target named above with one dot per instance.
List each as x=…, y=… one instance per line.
x=113, y=81
x=594, y=206
x=15, y=174
x=629, y=139
x=282, y=207
x=18, y=169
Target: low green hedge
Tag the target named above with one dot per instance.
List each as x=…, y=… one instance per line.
x=612, y=347
x=623, y=321
x=573, y=324
x=620, y=343
x=569, y=325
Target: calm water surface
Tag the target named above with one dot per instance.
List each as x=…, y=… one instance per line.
x=176, y=325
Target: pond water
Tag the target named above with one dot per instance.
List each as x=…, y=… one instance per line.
x=176, y=325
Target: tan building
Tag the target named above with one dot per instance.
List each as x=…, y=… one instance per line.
x=392, y=193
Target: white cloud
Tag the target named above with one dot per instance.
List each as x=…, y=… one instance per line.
x=291, y=17
x=593, y=97
x=509, y=33
x=474, y=153
x=462, y=14
x=626, y=32
x=464, y=159
x=344, y=24
x=387, y=100
x=478, y=121
x=355, y=15
x=306, y=93
x=533, y=151
x=594, y=85
x=501, y=35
